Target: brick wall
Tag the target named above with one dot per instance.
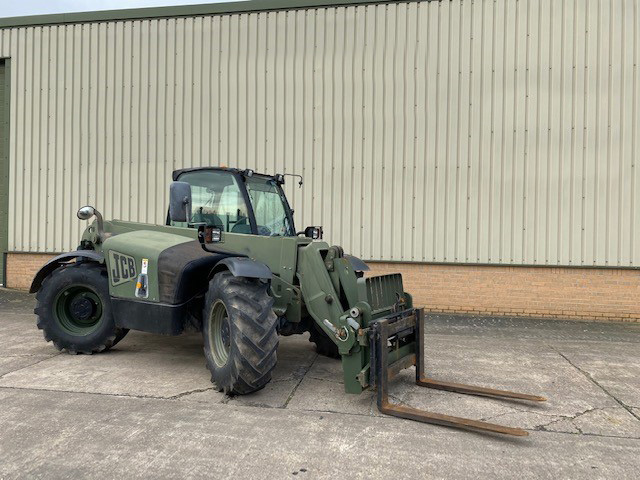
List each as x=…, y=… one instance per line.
x=21, y=268
x=575, y=293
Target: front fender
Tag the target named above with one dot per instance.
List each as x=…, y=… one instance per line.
x=60, y=260
x=357, y=264
x=246, y=267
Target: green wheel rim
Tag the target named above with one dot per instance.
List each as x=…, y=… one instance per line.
x=78, y=309
x=219, y=334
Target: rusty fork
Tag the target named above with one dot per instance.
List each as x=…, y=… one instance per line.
x=386, y=328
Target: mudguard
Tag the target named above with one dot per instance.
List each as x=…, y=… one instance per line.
x=245, y=267
x=60, y=260
x=357, y=264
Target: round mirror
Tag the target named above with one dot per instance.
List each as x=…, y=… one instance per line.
x=85, y=213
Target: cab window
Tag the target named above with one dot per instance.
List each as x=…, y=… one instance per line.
x=217, y=201
x=269, y=206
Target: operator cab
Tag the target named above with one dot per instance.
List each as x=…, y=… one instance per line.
x=237, y=201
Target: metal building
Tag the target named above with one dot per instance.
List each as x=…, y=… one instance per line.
x=465, y=132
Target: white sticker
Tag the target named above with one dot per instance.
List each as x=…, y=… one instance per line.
x=145, y=265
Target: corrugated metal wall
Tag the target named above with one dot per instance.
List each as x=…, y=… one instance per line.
x=467, y=131
x=3, y=168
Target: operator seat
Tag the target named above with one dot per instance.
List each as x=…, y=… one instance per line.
x=241, y=227
x=210, y=219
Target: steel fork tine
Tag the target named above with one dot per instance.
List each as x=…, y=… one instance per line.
x=380, y=363
x=473, y=390
x=424, y=381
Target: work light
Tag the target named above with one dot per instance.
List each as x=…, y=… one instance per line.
x=314, y=233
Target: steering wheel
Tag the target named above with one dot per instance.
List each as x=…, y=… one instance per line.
x=262, y=230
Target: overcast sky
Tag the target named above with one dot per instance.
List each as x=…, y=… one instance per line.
x=13, y=8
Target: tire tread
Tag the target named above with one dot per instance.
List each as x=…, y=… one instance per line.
x=253, y=332
x=46, y=322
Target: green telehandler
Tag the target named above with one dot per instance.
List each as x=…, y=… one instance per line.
x=230, y=263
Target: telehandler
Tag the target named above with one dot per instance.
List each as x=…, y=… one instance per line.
x=230, y=263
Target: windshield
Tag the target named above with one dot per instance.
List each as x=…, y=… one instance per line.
x=217, y=200
x=269, y=205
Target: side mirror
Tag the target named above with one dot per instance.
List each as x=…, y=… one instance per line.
x=314, y=233
x=180, y=202
x=86, y=212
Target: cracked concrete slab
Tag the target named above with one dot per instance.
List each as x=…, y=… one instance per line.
x=141, y=365
x=22, y=326
x=116, y=437
x=327, y=396
x=13, y=363
x=295, y=357
x=276, y=394
x=325, y=368
x=608, y=366
x=527, y=367
x=528, y=420
x=151, y=397
x=16, y=302
x=612, y=421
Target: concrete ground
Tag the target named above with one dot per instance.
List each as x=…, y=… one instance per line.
x=147, y=409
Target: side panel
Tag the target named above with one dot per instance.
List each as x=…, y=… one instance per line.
x=138, y=239
x=277, y=253
x=149, y=316
x=280, y=254
x=138, y=245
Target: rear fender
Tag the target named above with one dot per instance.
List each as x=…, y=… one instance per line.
x=60, y=260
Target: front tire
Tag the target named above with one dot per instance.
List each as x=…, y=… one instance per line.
x=74, y=310
x=239, y=330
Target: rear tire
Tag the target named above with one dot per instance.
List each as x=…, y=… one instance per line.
x=239, y=330
x=74, y=310
x=324, y=345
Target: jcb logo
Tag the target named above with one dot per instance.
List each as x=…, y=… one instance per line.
x=123, y=268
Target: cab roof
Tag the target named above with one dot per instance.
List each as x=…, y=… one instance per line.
x=177, y=173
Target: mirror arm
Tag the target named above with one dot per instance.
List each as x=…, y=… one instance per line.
x=100, y=222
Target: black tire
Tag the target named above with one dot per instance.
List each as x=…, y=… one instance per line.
x=324, y=345
x=87, y=282
x=241, y=361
